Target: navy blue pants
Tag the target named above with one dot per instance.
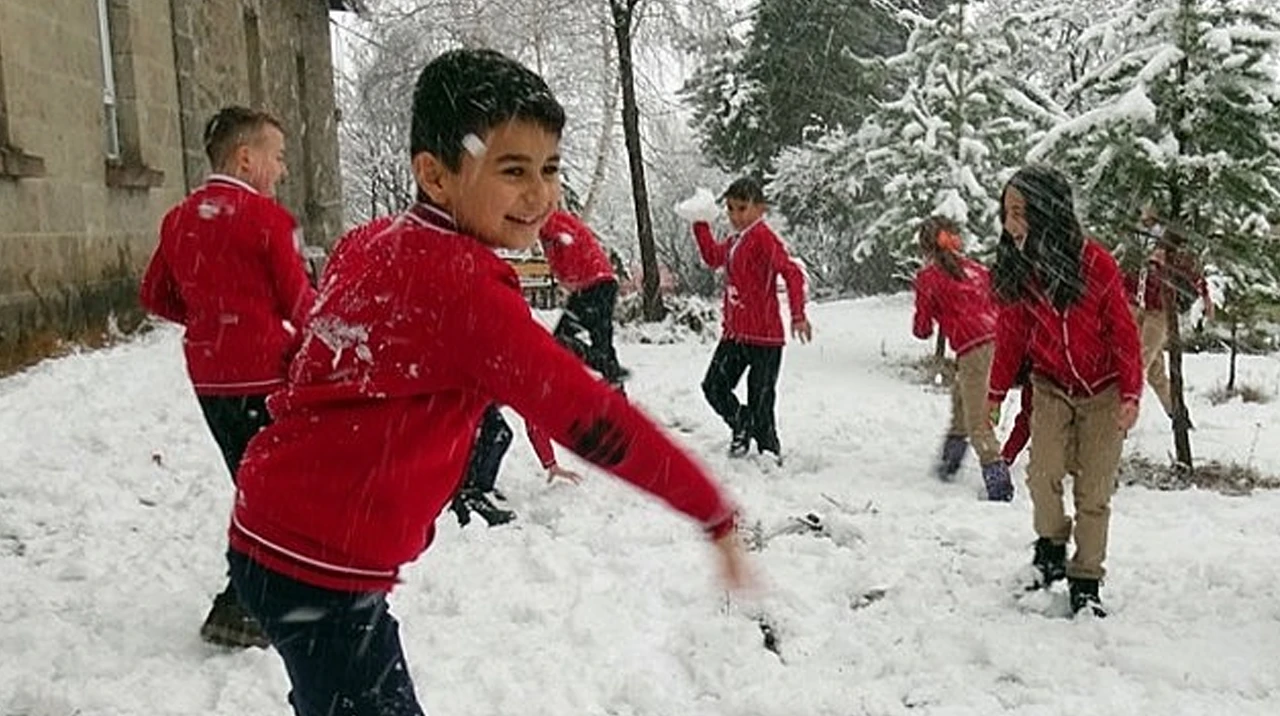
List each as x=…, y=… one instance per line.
x=341, y=649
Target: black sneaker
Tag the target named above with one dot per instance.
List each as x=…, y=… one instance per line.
x=229, y=625
x=769, y=443
x=740, y=444
x=1050, y=561
x=479, y=503
x=1084, y=595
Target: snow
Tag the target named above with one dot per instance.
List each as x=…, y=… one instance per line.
x=699, y=207
x=114, y=503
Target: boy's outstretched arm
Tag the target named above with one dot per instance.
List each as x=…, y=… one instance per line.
x=922, y=322
x=714, y=253
x=797, y=283
x=518, y=363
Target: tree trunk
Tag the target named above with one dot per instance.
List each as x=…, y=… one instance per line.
x=608, y=115
x=623, y=15
x=1235, y=351
x=940, y=348
x=1178, y=210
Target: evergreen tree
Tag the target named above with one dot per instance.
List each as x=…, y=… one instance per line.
x=1188, y=119
x=946, y=145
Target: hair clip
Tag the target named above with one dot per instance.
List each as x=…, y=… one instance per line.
x=949, y=241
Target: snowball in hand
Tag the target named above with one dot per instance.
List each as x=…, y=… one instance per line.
x=699, y=207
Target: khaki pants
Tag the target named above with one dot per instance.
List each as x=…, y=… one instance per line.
x=1080, y=435
x=969, y=403
x=1154, y=327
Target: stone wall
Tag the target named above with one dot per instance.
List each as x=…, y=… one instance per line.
x=76, y=225
x=75, y=229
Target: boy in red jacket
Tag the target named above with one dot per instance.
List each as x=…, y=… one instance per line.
x=227, y=268
x=1064, y=308
x=417, y=330
x=752, y=258
x=955, y=292
x=580, y=265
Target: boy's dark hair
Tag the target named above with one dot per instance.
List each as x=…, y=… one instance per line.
x=930, y=231
x=745, y=189
x=1052, y=252
x=471, y=91
x=232, y=127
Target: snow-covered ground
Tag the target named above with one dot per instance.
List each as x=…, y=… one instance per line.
x=113, y=507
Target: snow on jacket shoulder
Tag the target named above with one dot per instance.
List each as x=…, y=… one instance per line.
x=576, y=258
x=417, y=330
x=227, y=268
x=964, y=309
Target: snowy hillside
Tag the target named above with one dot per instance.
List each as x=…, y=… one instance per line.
x=113, y=508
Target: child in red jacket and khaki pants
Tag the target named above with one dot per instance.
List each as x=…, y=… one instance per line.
x=416, y=331
x=1064, y=307
x=955, y=292
x=752, y=258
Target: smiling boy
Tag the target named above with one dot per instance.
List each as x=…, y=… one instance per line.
x=417, y=329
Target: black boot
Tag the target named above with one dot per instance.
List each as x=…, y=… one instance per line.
x=1051, y=562
x=769, y=443
x=741, y=443
x=1084, y=595
x=479, y=503
x=228, y=624
x=954, y=448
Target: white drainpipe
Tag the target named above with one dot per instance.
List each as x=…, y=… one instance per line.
x=108, y=82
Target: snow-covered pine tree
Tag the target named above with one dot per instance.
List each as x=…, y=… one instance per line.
x=1189, y=119
x=959, y=126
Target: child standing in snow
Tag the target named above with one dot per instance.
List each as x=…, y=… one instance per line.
x=227, y=268
x=752, y=257
x=955, y=292
x=1064, y=309
x=416, y=332
x=580, y=265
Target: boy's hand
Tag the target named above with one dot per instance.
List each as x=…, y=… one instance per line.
x=699, y=207
x=802, y=330
x=735, y=573
x=1127, y=415
x=556, y=471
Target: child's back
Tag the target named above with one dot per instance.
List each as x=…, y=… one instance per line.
x=227, y=268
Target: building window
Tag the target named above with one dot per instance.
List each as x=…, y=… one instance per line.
x=122, y=141
x=14, y=163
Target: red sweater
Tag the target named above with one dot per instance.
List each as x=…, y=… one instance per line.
x=417, y=330
x=964, y=309
x=1151, y=280
x=575, y=256
x=752, y=260
x=1084, y=349
x=227, y=268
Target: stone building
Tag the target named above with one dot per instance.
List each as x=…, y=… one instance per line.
x=102, y=107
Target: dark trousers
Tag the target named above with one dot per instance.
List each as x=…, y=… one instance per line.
x=233, y=420
x=590, y=311
x=493, y=438
x=761, y=363
x=341, y=649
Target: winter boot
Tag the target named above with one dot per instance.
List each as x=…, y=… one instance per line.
x=1050, y=561
x=954, y=449
x=229, y=625
x=740, y=444
x=769, y=443
x=1084, y=595
x=479, y=503
x=999, y=486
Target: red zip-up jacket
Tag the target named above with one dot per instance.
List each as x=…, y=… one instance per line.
x=227, y=268
x=964, y=309
x=1151, y=280
x=1084, y=349
x=752, y=260
x=576, y=258
x=417, y=330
